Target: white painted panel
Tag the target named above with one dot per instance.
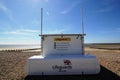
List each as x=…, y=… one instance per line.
x=63, y=65
x=74, y=46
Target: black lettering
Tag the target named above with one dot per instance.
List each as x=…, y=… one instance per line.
x=61, y=68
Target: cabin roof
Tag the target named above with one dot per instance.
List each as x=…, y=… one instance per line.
x=62, y=35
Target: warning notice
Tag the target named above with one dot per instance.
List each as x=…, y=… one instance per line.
x=62, y=43
x=61, y=39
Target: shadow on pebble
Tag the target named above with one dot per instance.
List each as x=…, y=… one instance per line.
x=104, y=74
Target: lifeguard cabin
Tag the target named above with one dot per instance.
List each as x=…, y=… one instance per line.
x=62, y=54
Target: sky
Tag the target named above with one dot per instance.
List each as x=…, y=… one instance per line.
x=20, y=20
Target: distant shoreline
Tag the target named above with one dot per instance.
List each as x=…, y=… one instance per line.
x=19, y=50
x=106, y=46
x=102, y=43
x=13, y=47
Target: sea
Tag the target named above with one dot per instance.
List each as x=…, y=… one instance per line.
x=19, y=46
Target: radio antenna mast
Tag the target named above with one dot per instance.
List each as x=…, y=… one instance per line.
x=41, y=19
x=41, y=30
x=82, y=21
x=83, y=51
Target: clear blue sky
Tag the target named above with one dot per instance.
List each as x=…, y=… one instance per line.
x=20, y=20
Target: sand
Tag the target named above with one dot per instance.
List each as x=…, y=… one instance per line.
x=110, y=59
x=12, y=66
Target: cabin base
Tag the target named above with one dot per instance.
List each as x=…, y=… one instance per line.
x=62, y=65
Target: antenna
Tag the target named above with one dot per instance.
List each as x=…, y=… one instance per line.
x=41, y=30
x=41, y=19
x=83, y=51
x=82, y=21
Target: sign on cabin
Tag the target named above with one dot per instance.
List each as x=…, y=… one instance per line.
x=62, y=44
